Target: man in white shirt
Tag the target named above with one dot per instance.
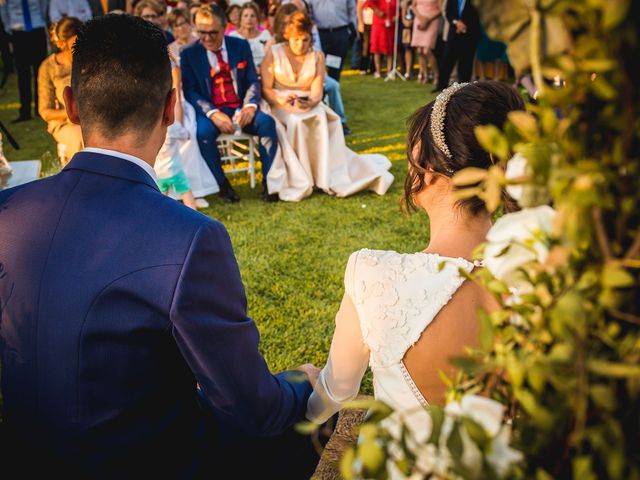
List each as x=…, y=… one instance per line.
x=79, y=9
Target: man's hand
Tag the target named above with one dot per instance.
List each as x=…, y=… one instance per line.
x=461, y=27
x=223, y=122
x=312, y=372
x=245, y=116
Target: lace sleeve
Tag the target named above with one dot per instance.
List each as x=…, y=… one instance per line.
x=339, y=380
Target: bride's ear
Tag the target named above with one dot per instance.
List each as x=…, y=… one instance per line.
x=429, y=177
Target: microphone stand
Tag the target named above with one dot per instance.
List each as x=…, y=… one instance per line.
x=394, y=72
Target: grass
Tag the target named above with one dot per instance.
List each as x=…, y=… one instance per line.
x=292, y=255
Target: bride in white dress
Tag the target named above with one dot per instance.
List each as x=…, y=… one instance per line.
x=312, y=150
x=402, y=314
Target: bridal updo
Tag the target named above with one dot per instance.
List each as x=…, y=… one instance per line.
x=459, y=109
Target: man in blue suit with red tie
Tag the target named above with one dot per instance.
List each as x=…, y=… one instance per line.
x=125, y=343
x=219, y=79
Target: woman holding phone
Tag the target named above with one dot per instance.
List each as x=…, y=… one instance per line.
x=312, y=149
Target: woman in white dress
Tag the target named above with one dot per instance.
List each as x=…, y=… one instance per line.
x=403, y=314
x=312, y=148
x=248, y=29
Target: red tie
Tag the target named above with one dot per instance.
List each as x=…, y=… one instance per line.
x=223, y=90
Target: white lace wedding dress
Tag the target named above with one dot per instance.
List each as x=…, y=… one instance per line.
x=311, y=147
x=396, y=296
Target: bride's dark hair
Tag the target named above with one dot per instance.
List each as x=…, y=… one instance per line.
x=478, y=103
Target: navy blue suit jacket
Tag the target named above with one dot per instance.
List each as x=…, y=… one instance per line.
x=114, y=301
x=196, y=74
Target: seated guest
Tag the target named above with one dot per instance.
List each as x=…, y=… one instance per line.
x=248, y=29
x=155, y=12
x=312, y=147
x=331, y=85
x=220, y=81
x=425, y=313
x=233, y=18
x=180, y=23
x=54, y=75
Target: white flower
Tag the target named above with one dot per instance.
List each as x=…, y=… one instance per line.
x=516, y=168
x=520, y=232
x=501, y=456
x=484, y=411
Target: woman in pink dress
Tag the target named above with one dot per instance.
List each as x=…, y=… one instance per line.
x=382, y=32
x=425, y=32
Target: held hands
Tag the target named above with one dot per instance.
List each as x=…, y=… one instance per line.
x=311, y=371
x=223, y=122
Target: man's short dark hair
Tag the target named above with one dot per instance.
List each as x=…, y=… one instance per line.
x=120, y=75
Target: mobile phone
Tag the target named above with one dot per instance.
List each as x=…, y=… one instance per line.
x=305, y=98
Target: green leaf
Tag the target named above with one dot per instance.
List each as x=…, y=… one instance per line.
x=516, y=371
x=613, y=369
x=306, y=428
x=614, y=12
x=582, y=469
x=603, y=396
x=493, y=141
x=372, y=456
x=616, y=277
x=537, y=377
x=454, y=442
x=486, y=331
x=476, y=432
x=469, y=176
x=346, y=463
x=603, y=89
x=437, y=417
x=598, y=65
x=524, y=123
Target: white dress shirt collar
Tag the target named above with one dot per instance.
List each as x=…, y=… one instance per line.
x=213, y=59
x=113, y=153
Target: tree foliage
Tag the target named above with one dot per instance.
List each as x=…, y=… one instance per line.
x=563, y=352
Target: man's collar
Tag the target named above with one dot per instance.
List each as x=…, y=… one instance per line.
x=125, y=156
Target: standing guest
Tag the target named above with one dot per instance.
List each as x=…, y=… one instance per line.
x=248, y=29
x=54, y=75
x=461, y=42
x=382, y=33
x=406, y=35
x=25, y=21
x=365, y=20
x=126, y=346
x=425, y=31
x=337, y=23
x=79, y=9
x=233, y=18
x=5, y=53
x=180, y=24
x=193, y=8
x=102, y=7
x=155, y=12
x=220, y=81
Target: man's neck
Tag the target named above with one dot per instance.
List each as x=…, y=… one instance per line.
x=145, y=152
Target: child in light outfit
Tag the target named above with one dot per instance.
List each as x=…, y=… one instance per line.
x=168, y=167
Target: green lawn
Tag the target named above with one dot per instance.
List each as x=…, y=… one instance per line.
x=292, y=255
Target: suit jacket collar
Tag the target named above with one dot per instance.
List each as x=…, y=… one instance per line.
x=110, y=166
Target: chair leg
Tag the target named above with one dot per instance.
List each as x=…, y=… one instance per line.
x=252, y=168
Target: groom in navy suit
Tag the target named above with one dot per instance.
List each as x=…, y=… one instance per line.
x=125, y=343
x=219, y=79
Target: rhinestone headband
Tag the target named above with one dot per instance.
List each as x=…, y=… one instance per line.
x=438, y=114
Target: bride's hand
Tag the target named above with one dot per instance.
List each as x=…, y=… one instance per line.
x=312, y=372
x=288, y=100
x=304, y=103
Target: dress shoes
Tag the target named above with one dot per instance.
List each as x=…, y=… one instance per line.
x=228, y=195
x=266, y=196
x=346, y=130
x=21, y=118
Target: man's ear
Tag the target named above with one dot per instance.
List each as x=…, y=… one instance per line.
x=71, y=106
x=168, y=113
